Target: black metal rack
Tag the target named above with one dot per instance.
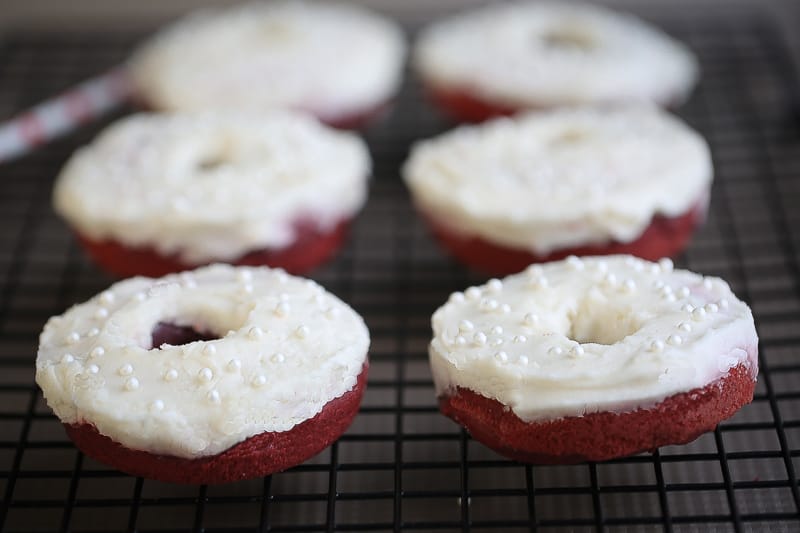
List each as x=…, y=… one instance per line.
x=402, y=466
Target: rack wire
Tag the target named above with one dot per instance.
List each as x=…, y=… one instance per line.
x=403, y=466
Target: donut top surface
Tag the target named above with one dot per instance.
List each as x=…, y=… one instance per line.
x=555, y=179
x=545, y=54
x=212, y=186
x=578, y=336
x=286, y=348
x=327, y=58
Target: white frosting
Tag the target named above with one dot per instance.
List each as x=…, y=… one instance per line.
x=579, y=336
x=288, y=348
x=551, y=180
x=330, y=59
x=212, y=186
x=547, y=54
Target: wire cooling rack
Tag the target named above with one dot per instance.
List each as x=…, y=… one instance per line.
x=402, y=466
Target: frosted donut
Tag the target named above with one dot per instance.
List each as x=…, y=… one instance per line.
x=545, y=185
x=506, y=57
x=155, y=194
x=211, y=376
x=594, y=358
x=339, y=62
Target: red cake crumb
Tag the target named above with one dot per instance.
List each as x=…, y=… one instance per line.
x=463, y=106
x=260, y=455
x=664, y=237
x=311, y=248
x=604, y=435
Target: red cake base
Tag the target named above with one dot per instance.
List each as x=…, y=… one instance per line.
x=600, y=436
x=664, y=237
x=311, y=248
x=257, y=456
x=356, y=120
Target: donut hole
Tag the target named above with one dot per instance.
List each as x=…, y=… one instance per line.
x=568, y=38
x=213, y=162
x=178, y=335
x=598, y=322
x=569, y=136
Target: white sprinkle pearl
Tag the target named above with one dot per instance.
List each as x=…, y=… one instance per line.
x=259, y=381
x=629, y=286
x=171, y=375
x=657, y=346
x=466, y=325
x=332, y=312
x=505, y=309
x=233, y=365
x=723, y=304
x=601, y=266
x=530, y=319
x=125, y=370
x=67, y=359
x=473, y=293
x=456, y=297
x=282, y=309
x=278, y=358
x=687, y=308
x=131, y=384
x=107, y=297
x=675, y=340
x=497, y=330
x=255, y=333
x=205, y=374
x=535, y=270
x=711, y=308
x=209, y=350
x=539, y=283
x=94, y=369
x=707, y=284
x=461, y=341
x=523, y=359
x=577, y=351
x=519, y=339
x=496, y=342
x=140, y=296
x=698, y=314
x=213, y=397
x=72, y=338
x=479, y=338
x=94, y=332
x=685, y=326
x=684, y=292
x=157, y=405
x=495, y=285
x=555, y=350
x=666, y=264
x=244, y=275
x=99, y=351
x=101, y=313
x=610, y=280
x=575, y=262
x=302, y=332
x=501, y=356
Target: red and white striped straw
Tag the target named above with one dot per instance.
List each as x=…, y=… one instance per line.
x=64, y=113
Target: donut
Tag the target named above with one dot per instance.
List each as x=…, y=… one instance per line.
x=592, y=359
x=208, y=376
x=161, y=193
x=545, y=185
x=339, y=62
x=503, y=58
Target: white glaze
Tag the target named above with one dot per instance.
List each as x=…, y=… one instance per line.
x=142, y=182
x=505, y=54
x=646, y=354
x=331, y=59
x=550, y=180
x=190, y=401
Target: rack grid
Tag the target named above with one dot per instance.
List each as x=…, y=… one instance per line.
x=403, y=466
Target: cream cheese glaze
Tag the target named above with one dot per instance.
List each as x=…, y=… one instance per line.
x=579, y=336
x=287, y=348
x=546, y=54
x=550, y=180
x=327, y=58
x=212, y=186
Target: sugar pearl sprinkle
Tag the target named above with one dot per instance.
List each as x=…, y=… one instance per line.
x=612, y=320
x=312, y=360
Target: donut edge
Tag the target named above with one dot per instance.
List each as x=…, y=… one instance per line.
x=601, y=436
x=257, y=456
